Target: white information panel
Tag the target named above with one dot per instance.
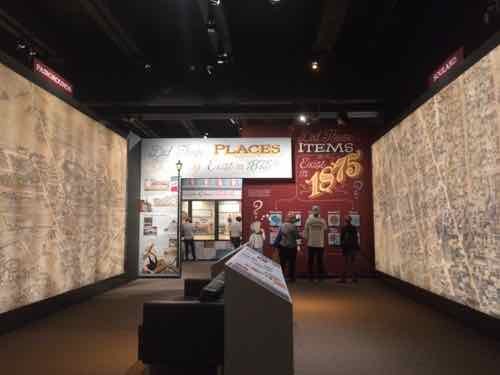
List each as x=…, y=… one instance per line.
x=217, y=158
x=261, y=270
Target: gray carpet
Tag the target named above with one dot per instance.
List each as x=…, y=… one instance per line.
x=339, y=329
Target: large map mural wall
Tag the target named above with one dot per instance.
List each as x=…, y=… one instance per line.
x=436, y=183
x=62, y=196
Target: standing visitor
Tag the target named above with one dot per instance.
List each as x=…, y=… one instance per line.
x=235, y=232
x=187, y=235
x=350, y=247
x=257, y=238
x=314, y=234
x=288, y=246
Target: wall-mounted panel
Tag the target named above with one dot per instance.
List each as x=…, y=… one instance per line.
x=62, y=196
x=436, y=185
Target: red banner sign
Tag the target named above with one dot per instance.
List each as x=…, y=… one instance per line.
x=52, y=76
x=456, y=58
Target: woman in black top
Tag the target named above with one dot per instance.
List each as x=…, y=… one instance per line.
x=350, y=247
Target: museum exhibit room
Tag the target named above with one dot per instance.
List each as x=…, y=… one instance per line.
x=249, y=187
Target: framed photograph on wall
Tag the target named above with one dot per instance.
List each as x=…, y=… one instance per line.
x=355, y=218
x=275, y=218
x=334, y=219
x=334, y=237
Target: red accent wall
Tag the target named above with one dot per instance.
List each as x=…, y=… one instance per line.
x=350, y=195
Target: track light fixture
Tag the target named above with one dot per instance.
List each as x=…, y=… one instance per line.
x=342, y=118
x=21, y=45
x=215, y=3
x=315, y=65
x=210, y=70
x=211, y=25
x=275, y=2
x=303, y=118
x=205, y=136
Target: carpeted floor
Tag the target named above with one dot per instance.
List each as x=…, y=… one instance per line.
x=339, y=329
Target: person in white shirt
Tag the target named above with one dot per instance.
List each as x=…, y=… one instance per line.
x=257, y=238
x=235, y=232
x=314, y=234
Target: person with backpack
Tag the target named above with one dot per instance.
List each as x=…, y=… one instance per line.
x=287, y=246
x=350, y=247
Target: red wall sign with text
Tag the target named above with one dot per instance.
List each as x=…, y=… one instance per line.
x=453, y=60
x=333, y=171
x=52, y=76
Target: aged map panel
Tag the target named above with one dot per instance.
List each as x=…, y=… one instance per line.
x=62, y=196
x=436, y=190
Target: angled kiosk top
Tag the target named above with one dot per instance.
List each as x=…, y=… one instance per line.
x=261, y=270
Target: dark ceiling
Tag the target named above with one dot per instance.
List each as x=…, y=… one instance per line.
x=105, y=46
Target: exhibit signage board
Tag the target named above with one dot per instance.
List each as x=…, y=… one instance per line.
x=436, y=187
x=213, y=158
x=52, y=76
x=453, y=60
x=261, y=270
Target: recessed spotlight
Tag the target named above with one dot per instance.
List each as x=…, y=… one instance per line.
x=303, y=118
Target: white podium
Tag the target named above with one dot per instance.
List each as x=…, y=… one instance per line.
x=258, y=321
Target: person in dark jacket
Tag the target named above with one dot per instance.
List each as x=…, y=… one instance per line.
x=288, y=247
x=350, y=247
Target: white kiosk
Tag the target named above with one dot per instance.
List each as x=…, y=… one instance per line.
x=258, y=321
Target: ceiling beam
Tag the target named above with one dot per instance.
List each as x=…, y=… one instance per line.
x=104, y=18
x=184, y=117
x=190, y=127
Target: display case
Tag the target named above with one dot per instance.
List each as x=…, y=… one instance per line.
x=203, y=215
x=227, y=210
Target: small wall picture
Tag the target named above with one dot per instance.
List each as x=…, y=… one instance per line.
x=298, y=217
x=334, y=219
x=355, y=219
x=151, y=184
x=334, y=237
x=275, y=218
x=150, y=231
x=145, y=206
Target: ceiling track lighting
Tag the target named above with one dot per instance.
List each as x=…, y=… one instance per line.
x=315, y=65
x=275, y=2
x=215, y=3
x=205, y=136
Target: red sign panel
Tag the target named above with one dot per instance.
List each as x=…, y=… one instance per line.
x=456, y=58
x=52, y=76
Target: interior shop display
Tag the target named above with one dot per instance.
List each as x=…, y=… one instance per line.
x=62, y=196
x=436, y=184
x=227, y=210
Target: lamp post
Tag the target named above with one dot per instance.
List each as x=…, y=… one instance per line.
x=178, y=166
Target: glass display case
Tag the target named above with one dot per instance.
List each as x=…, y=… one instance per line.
x=227, y=209
x=203, y=215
